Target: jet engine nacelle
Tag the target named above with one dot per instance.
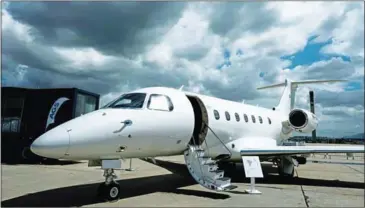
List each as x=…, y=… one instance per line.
x=302, y=120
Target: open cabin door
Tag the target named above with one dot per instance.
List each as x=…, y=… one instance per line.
x=200, y=120
x=202, y=167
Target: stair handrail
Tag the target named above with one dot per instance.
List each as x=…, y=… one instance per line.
x=230, y=153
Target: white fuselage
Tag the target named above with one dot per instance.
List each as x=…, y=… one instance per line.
x=154, y=132
x=239, y=133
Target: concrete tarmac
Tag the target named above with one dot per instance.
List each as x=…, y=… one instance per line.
x=169, y=184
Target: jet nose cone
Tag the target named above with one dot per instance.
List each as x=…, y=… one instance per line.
x=52, y=144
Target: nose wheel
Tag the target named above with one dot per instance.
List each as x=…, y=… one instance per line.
x=110, y=189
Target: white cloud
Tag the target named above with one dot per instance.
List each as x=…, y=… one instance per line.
x=291, y=32
x=188, y=50
x=20, y=31
x=348, y=37
x=161, y=54
x=80, y=58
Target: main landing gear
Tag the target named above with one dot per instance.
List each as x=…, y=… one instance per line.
x=110, y=189
x=285, y=166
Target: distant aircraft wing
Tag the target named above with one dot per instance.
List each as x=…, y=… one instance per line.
x=293, y=150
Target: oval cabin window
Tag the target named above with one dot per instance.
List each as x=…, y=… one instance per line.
x=253, y=118
x=216, y=114
x=246, y=117
x=228, y=117
x=237, y=117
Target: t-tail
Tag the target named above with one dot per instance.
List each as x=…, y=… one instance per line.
x=287, y=100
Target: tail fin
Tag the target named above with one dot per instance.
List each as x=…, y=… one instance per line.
x=287, y=100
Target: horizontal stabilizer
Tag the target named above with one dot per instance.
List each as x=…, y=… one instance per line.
x=293, y=83
x=318, y=81
x=287, y=100
x=293, y=150
x=272, y=86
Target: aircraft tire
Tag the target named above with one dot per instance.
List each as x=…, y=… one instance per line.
x=110, y=192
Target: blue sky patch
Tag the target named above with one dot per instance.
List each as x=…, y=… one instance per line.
x=226, y=54
x=356, y=85
x=239, y=52
x=226, y=62
x=311, y=54
x=3, y=80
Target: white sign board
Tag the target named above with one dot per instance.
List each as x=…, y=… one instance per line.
x=252, y=167
x=111, y=164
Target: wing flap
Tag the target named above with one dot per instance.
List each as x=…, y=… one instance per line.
x=293, y=150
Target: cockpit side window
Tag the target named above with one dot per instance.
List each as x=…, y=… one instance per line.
x=160, y=102
x=130, y=101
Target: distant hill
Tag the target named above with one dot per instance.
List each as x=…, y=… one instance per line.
x=357, y=136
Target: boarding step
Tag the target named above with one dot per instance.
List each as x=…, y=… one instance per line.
x=215, y=174
x=200, y=153
x=223, y=182
x=211, y=167
x=205, y=170
x=207, y=161
x=230, y=187
x=198, y=150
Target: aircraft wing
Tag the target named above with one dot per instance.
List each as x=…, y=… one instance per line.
x=293, y=150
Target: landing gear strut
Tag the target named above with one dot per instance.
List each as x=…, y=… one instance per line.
x=110, y=189
x=285, y=166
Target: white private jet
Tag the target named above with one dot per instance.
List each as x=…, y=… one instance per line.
x=160, y=121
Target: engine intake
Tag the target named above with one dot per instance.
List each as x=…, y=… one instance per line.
x=302, y=120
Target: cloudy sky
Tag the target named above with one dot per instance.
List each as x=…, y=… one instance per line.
x=221, y=49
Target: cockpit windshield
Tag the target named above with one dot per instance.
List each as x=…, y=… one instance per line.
x=131, y=100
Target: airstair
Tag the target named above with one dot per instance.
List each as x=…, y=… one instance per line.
x=205, y=169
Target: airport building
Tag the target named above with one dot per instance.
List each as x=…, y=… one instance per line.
x=28, y=113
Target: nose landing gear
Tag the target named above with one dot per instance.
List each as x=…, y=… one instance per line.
x=110, y=189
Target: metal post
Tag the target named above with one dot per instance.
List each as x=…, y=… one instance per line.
x=252, y=184
x=130, y=165
x=252, y=189
x=311, y=102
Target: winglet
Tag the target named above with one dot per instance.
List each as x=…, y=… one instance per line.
x=182, y=86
